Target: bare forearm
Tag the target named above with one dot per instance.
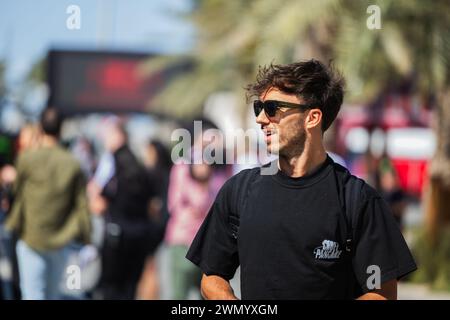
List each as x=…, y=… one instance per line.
x=216, y=288
x=371, y=296
x=388, y=291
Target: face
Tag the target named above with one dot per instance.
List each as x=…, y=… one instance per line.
x=151, y=156
x=113, y=138
x=285, y=132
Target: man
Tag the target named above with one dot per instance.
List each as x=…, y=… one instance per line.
x=192, y=190
x=49, y=211
x=121, y=191
x=292, y=233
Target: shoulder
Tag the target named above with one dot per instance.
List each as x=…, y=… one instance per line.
x=24, y=156
x=233, y=192
x=244, y=177
x=65, y=154
x=351, y=183
x=66, y=158
x=28, y=157
x=345, y=176
x=235, y=186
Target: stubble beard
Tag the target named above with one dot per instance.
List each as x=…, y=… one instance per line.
x=295, y=145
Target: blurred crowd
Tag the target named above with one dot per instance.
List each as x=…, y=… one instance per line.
x=77, y=226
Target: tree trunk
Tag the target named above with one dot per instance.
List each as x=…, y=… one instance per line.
x=438, y=196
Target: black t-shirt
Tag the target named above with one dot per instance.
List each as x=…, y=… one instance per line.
x=291, y=238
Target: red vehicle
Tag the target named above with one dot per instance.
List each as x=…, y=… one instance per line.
x=393, y=130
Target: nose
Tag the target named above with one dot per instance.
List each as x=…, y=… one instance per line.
x=262, y=118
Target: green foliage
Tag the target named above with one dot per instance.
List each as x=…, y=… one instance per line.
x=433, y=261
x=236, y=37
x=37, y=73
x=413, y=41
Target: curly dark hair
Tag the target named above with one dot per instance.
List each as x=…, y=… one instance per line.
x=309, y=80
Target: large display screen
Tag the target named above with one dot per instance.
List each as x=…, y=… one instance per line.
x=87, y=81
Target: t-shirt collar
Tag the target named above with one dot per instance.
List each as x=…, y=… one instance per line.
x=311, y=178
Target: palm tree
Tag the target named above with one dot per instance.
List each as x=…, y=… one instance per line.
x=414, y=40
x=2, y=81
x=235, y=37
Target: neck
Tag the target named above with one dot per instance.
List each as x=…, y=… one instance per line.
x=311, y=158
x=49, y=141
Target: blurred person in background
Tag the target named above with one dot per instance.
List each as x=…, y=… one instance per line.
x=158, y=164
x=86, y=256
x=120, y=190
x=29, y=137
x=8, y=269
x=388, y=185
x=329, y=142
x=49, y=211
x=83, y=150
x=192, y=189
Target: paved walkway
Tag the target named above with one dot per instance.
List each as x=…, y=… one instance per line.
x=408, y=291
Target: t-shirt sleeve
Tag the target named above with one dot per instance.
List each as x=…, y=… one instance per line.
x=214, y=248
x=379, y=244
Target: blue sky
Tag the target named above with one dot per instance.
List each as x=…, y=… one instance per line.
x=28, y=28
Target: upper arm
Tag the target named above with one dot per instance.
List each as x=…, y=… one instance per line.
x=214, y=248
x=379, y=243
x=20, y=172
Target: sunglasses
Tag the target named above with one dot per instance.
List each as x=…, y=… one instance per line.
x=271, y=106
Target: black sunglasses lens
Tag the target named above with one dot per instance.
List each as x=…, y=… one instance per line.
x=271, y=108
x=257, y=107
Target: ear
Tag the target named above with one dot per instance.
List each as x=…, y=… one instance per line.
x=313, y=119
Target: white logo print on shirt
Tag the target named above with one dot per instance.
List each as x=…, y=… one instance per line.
x=328, y=250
